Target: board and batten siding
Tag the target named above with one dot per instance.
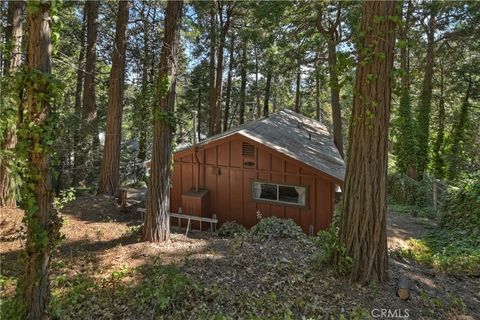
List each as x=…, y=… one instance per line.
x=222, y=173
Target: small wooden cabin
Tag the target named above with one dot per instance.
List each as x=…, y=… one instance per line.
x=284, y=165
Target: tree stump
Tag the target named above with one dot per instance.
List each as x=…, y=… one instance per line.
x=122, y=197
x=403, y=288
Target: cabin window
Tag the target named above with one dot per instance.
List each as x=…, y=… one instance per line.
x=279, y=193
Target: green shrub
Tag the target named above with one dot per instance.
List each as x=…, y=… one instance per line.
x=276, y=228
x=331, y=248
x=231, y=229
x=461, y=207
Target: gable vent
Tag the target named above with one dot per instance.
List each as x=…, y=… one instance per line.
x=248, y=150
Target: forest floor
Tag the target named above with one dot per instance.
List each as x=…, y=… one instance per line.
x=102, y=271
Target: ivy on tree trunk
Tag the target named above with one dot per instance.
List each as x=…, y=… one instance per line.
x=363, y=226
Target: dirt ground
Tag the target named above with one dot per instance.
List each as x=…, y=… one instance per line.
x=245, y=277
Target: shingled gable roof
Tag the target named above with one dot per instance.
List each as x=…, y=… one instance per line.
x=288, y=132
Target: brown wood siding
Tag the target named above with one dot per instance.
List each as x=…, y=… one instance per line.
x=222, y=172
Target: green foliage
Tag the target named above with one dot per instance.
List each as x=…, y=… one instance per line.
x=405, y=146
x=82, y=298
x=65, y=196
x=276, y=228
x=461, y=207
x=452, y=251
x=231, y=229
x=332, y=252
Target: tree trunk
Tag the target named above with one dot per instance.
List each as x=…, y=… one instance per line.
x=199, y=114
x=243, y=83
x=89, y=113
x=212, y=72
x=142, y=148
x=41, y=219
x=156, y=225
x=297, y=90
x=257, y=89
x=229, y=84
x=13, y=39
x=458, y=135
x=109, y=175
x=438, y=158
x=318, y=104
x=406, y=140
x=267, y=92
x=224, y=26
x=425, y=103
x=335, y=95
x=78, y=99
x=363, y=226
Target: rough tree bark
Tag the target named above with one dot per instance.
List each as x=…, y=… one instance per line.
x=147, y=56
x=42, y=221
x=229, y=84
x=243, y=83
x=78, y=97
x=13, y=60
x=89, y=113
x=109, y=174
x=425, y=104
x=363, y=226
x=156, y=226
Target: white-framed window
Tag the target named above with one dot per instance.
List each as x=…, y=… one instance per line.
x=279, y=193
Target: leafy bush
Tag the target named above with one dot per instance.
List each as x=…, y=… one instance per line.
x=461, y=207
x=231, y=229
x=64, y=197
x=276, y=228
x=330, y=247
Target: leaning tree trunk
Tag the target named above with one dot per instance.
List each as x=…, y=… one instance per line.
x=109, y=175
x=363, y=227
x=157, y=227
x=335, y=95
x=13, y=39
x=41, y=219
x=89, y=113
x=78, y=97
x=425, y=103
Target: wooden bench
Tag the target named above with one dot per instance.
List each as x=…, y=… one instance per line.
x=213, y=221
